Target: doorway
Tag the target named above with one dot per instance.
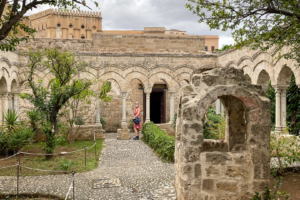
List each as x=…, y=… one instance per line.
x=157, y=106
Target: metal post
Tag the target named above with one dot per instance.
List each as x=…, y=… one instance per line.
x=85, y=156
x=73, y=173
x=96, y=151
x=18, y=173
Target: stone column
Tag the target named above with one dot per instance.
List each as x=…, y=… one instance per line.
x=10, y=102
x=1, y=110
x=147, y=108
x=98, y=121
x=278, y=110
x=218, y=106
x=283, y=109
x=16, y=103
x=123, y=132
x=5, y=103
x=124, y=122
x=99, y=132
x=172, y=95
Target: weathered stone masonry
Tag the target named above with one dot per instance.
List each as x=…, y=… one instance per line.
x=236, y=167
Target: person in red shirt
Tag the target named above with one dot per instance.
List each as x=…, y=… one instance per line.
x=137, y=127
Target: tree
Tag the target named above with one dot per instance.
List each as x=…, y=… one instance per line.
x=254, y=23
x=224, y=48
x=62, y=87
x=77, y=104
x=12, y=13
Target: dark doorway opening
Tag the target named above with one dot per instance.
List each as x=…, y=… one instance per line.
x=157, y=106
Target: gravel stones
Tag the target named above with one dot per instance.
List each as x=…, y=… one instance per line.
x=127, y=169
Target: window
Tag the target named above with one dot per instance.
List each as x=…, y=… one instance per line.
x=82, y=37
x=94, y=27
x=82, y=26
x=71, y=25
x=58, y=24
x=206, y=48
x=213, y=49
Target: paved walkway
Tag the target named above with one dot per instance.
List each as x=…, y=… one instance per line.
x=127, y=170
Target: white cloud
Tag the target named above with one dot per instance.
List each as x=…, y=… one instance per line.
x=225, y=40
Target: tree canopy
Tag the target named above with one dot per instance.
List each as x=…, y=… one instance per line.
x=12, y=12
x=255, y=23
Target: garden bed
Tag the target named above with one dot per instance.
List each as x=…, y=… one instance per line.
x=290, y=184
x=74, y=161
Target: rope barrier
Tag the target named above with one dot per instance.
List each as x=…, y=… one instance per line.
x=8, y=157
x=55, y=154
x=71, y=186
x=9, y=166
x=43, y=170
x=91, y=146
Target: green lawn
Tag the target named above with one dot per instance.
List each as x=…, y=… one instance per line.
x=74, y=161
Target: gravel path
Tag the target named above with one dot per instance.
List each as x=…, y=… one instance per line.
x=128, y=170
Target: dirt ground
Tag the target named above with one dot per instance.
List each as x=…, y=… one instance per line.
x=290, y=184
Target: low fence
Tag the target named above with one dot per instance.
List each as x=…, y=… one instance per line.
x=19, y=166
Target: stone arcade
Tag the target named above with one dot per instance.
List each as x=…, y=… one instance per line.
x=236, y=167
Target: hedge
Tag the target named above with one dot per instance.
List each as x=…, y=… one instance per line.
x=162, y=143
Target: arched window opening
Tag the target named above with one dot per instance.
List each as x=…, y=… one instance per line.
x=71, y=25
x=58, y=24
x=82, y=26
x=82, y=37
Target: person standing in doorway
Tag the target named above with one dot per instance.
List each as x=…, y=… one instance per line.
x=137, y=118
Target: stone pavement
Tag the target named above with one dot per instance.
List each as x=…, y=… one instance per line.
x=127, y=170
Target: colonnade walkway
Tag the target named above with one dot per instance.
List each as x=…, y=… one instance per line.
x=128, y=169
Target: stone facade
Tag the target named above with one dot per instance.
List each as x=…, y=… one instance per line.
x=54, y=23
x=68, y=24
x=236, y=167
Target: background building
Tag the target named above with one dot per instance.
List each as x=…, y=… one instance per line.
x=54, y=23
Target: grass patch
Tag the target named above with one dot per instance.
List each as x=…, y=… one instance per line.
x=74, y=161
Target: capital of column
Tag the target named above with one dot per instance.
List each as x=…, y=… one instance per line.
x=124, y=94
x=172, y=94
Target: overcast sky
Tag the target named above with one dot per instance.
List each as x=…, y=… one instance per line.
x=137, y=14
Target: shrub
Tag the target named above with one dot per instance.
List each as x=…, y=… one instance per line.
x=79, y=121
x=34, y=117
x=66, y=164
x=131, y=124
x=103, y=122
x=286, y=149
x=162, y=143
x=214, y=125
x=19, y=138
x=11, y=120
x=3, y=138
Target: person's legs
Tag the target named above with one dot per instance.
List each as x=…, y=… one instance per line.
x=136, y=133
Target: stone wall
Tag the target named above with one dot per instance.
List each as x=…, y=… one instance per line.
x=230, y=169
x=126, y=43
x=112, y=43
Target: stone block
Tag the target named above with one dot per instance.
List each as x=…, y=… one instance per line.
x=208, y=184
x=123, y=134
x=229, y=186
x=99, y=132
x=216, y=158
x=212, y=171
x=234, y=171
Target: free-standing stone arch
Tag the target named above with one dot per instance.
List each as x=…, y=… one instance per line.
x=237, y=166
